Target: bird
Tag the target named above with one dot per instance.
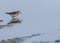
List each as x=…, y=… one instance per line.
x=14, y=13
x=14, y=20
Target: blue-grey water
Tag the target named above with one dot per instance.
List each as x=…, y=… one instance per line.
x=38, y=16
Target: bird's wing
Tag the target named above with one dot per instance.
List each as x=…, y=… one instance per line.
x=11, y=12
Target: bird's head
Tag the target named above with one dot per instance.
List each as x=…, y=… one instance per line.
x=19, y=11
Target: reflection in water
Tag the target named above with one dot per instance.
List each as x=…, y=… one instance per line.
x=17, y=40
x=14, y=20
x=9, y=24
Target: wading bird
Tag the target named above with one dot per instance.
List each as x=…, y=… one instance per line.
x=14, y=13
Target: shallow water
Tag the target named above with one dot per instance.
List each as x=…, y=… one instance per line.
x=38, y=16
